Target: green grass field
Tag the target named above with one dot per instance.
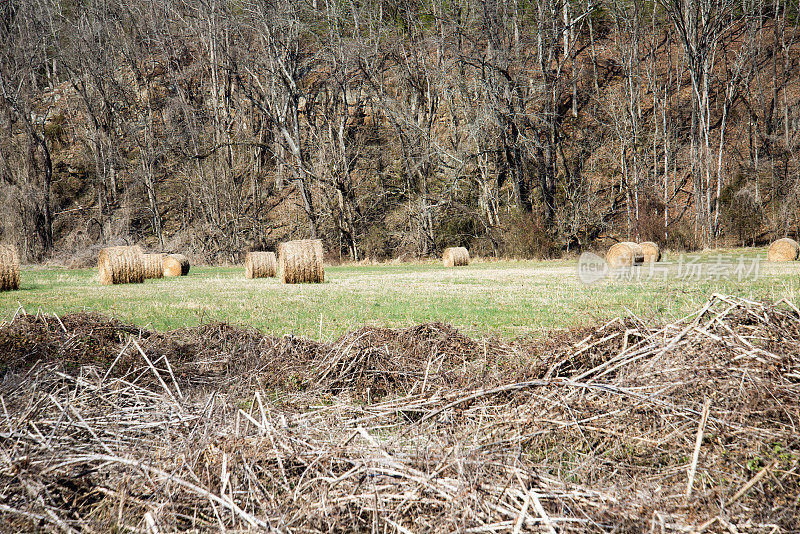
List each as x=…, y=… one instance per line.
x=505, y=298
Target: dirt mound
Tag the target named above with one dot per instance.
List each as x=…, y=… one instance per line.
x=625, y=427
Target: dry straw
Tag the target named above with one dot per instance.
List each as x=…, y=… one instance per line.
x=785, y=249
x=455, y=257
x=301, y=261
x=176, y=265
x=624, y=254
x=9, y=268
x=650, y=251
x=609, y=416
x=260, y=265
x=153, y=265
x=121, y=265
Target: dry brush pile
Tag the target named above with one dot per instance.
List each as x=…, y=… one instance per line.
x=625, y=427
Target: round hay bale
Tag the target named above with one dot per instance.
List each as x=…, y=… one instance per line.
x=153, y=265
x=260, y=265
x=785, y=249
x=650, y=251
x=624, y=254
x=121, y=265
x=301, y=261
x=455, y=257
x=9, y=268
x=175, y=265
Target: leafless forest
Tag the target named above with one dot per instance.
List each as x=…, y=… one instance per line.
x=394, y=129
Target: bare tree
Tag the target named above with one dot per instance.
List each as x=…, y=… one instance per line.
x=25, y=158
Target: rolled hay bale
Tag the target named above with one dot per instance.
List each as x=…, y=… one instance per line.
x=650, y=251
x=153, y=265
x=301, y=261
x=260, y=265
x=624, y=253
x=9, y=268
x=785, y=249
x=175, y=265
x=455, y=257
x=121, y=265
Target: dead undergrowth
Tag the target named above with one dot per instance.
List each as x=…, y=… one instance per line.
x=626, y=427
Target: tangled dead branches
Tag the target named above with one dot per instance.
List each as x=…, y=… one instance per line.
x=688, y=427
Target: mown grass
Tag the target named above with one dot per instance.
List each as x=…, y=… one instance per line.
x=504, y=298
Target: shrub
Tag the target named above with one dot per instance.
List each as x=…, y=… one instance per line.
x=526, y=236
x=741, y=211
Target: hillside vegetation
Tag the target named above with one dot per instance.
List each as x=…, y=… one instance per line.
x=394, y=129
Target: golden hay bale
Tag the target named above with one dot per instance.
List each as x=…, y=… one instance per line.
x=301, y=261
x=121, y=265
x=455, y=257
x=625, y=253
x=650, y=251
x=260, y=265
x=153, y=265
x=176, y=265
x=785, y=249
x=9, y=268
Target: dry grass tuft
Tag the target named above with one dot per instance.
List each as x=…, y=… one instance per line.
x=176, y=265
x=120, y=265
x=301, y=261
x=260, y=265
x=9, y=268
x=785, y=249
x=455, y=257
x=626, y=427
